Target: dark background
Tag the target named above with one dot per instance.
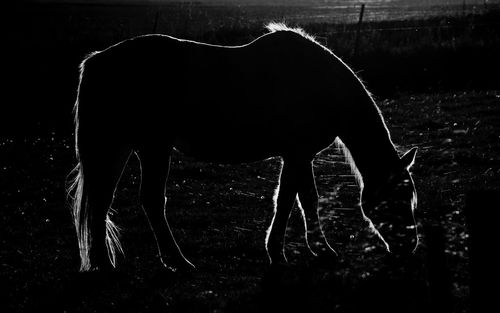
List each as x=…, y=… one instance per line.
x=434, y=72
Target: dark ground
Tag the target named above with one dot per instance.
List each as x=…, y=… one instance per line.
x=220, y=213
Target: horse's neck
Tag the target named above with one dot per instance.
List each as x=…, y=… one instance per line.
x=369, y=142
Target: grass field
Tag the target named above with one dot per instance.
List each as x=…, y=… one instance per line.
x=436, y=83
x=220, y=214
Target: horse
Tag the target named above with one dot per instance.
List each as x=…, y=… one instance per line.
x=281, y=95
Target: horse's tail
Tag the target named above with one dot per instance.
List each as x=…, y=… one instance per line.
x=79, y=210
x=84, y=216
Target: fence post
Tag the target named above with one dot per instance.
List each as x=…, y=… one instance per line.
x=157, y=17
x=358, y=31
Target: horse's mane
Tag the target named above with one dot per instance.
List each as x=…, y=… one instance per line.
x=274, y=27
x=350, y=161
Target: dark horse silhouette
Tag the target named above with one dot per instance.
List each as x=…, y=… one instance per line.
x=282, y=95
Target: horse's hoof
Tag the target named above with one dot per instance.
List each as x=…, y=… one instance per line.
x=278, y=259
x=323, y=251
x=278, y=266
x=180, y=267
x=184, y=268
x=169, y=274
x=324, y=255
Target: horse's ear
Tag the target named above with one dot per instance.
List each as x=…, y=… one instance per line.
x=409, y=158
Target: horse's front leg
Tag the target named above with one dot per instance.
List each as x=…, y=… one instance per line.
x=286, y=194
x=154, y=172
x=308, y=197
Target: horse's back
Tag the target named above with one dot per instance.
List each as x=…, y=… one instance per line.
x=250, y=102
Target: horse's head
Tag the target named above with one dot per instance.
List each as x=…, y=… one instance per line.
x=390, y=203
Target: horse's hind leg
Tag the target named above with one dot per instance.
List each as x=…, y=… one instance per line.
x=308, y=197
x=155, y=166
x=102, y=173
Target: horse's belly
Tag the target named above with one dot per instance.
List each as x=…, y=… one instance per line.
x=226, y=150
